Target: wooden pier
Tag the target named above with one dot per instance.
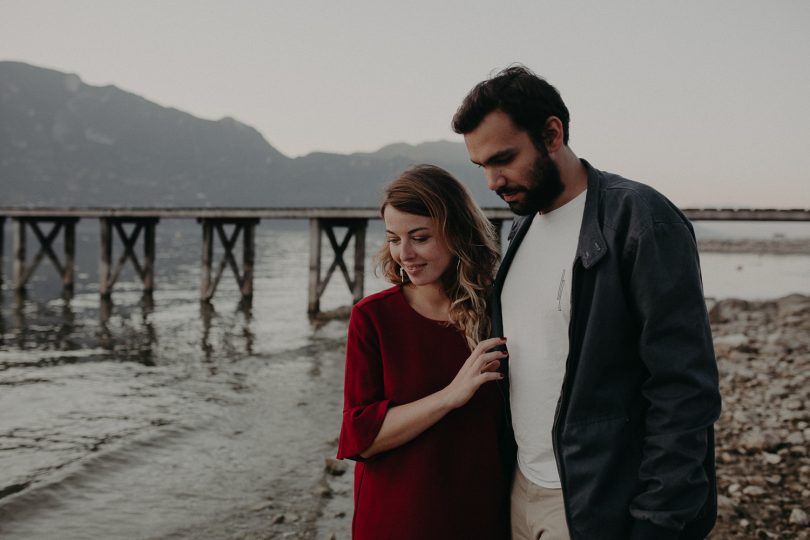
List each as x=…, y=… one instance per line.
x=229, y=226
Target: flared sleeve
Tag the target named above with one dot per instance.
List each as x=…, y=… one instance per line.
x=365, y=405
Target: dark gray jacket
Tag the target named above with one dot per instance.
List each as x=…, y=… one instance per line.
x=633, y=431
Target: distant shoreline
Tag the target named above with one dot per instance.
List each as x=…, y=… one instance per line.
x=774, y=246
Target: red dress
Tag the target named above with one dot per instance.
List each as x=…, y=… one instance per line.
x=449, y=482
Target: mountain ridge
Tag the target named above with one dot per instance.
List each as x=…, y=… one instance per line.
x=66, y=143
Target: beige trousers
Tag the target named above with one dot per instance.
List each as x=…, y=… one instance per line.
x=537, y=513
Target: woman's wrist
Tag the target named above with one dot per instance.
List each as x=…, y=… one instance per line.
x=447, y=399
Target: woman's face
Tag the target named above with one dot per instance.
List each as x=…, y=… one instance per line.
x=415, y=244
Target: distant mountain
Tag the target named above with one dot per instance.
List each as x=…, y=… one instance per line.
x=63, y=142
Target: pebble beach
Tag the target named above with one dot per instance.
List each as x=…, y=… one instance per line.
x=763, y=466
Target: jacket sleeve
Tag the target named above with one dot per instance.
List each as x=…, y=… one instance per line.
x=365, y=405
x=682, y=385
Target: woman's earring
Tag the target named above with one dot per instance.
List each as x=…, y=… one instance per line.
x=401, y=275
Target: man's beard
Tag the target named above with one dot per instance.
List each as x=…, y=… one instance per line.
x=545, y=185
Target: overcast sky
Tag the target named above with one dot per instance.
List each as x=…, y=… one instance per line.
x=705, y=100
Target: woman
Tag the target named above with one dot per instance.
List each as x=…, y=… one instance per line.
x=421, y=415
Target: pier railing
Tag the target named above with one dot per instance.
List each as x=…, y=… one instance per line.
x=137, y=225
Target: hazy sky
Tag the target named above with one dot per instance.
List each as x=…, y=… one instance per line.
x=706, y=100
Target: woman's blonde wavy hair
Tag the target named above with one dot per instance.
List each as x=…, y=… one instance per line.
x=427, y=190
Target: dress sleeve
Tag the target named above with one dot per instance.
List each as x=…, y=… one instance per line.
x=365, y=405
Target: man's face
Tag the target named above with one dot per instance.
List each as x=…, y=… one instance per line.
x=527, y=179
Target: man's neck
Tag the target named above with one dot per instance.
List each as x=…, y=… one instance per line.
x=574, y=178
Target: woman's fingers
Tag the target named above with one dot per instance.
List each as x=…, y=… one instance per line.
x=488, y=344
x=486, y=358
x=489, y=376
x=491, y=366
x=480, y=368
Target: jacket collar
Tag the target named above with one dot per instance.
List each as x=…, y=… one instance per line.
x=592, y=246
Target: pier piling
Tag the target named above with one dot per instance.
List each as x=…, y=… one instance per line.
x=355, y=228
x=2, y=249
x=23, y=270
x=244, y=277
x=19, y=254
x=108, y=275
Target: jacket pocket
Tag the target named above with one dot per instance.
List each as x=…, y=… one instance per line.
x=600, y=466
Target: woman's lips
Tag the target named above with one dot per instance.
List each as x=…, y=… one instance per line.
x=413, y=269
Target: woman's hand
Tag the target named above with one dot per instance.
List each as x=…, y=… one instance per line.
x=478, y=369
x=405, y=422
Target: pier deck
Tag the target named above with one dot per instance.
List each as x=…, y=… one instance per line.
x=227, y=226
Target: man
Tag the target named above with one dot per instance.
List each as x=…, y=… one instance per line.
x=613, y=386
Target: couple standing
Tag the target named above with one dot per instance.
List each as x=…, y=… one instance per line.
x=607, y=397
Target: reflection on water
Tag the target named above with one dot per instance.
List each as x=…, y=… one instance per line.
x=41, y=331
x=243, y=311
x=136, y=342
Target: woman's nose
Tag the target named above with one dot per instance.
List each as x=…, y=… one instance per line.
x=405, y=251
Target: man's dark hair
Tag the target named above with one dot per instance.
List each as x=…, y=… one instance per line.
x=528, y=100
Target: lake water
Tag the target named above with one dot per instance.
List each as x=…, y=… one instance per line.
x=163, y=418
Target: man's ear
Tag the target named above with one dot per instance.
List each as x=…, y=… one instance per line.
x=553, y=134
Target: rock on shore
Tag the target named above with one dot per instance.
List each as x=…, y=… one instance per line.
x=763, y=466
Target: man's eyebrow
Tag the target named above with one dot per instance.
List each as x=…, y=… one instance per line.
x=497, y=156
